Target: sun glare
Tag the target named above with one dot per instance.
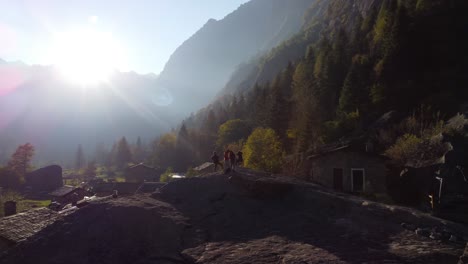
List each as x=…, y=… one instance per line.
x=87, y=56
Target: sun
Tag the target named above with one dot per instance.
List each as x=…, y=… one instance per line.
x=87, y=56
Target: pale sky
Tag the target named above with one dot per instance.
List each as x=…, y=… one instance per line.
x=148, y=31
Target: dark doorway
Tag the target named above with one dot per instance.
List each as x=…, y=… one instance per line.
x=358, y=180
x=338, y=179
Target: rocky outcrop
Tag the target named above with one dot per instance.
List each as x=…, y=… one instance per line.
x=464, y=257
x=242, y=217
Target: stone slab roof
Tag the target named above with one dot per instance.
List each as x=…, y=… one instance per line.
x=64, y=190
x=204, y=166
x=141, y=165
x=120, y=187
x=19, y=227
x=149, y=187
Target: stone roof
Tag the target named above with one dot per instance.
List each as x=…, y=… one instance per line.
x=19, y=227
x=149, y=187
x=141, y=165
x=126, y=187
x=204, y=166
x=64, y=190
x=121, y=187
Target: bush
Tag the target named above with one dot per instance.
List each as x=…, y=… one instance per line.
x=233, y=131
x=9, y=179
x=166, y=176
x=406, y=148
x=191, y=173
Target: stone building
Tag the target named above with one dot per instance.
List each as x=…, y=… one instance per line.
x=68, y=194
x=142, y=173
x=122, y=188
x=18, y=228
x=348, y=168
x=45, y=179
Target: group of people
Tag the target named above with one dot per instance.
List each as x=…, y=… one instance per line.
x=230, y=160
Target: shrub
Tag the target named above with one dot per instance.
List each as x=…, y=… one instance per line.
x=406, y=148
x=166, y=176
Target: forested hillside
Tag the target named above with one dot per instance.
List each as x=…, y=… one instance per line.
x=352, y=62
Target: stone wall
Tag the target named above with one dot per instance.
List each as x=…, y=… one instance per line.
x=141, y=174
x=375, y=171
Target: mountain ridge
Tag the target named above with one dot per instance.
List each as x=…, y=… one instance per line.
x=204, y=62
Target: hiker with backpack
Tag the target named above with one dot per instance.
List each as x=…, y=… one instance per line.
x=232, y=158
x=216, y=162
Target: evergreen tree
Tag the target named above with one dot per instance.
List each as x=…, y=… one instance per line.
x=164, y=151
x=355, y=92
x=184, y=153
x=111, y=159
x=124, y=155
x=79, y=158
x=101, y=154
x=210, y=125
x=278, y=116
x=139, y=152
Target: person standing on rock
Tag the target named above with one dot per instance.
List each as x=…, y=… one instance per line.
x=216, y=162
x=232, y=158
x=227, y=164
x=240, y=159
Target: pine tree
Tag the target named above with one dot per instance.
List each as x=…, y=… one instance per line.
x=184, y=153
x=163, y=153
x=79, y=158
x=210, y=125
x=101, y=154
x=139, y=152
x=278, y=116
x=124, y=155
x=356, y=88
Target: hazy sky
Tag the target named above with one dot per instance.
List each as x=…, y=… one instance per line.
x=147, y=30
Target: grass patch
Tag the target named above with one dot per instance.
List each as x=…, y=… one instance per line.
x=120, y=179
x=24, y=205
x=72, y=182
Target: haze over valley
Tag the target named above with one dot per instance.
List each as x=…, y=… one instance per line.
x=58, y=107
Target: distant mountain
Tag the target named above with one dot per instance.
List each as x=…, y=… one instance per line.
x=202, y=65
x=37, y=105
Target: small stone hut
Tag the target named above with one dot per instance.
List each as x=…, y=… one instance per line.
x=142, y=173
x=348, y=168
x=68, y=194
